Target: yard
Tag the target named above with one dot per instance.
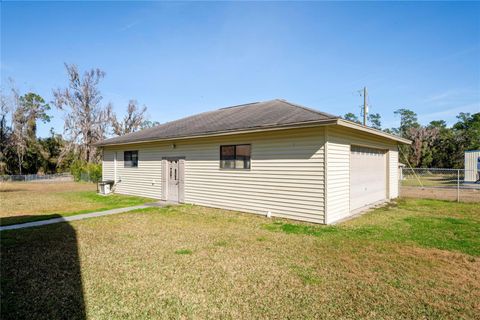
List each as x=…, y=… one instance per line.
x=31, y=201
x=413, y=259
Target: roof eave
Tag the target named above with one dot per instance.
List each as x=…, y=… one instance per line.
x=356, y=126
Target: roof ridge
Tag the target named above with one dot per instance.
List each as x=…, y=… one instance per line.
x=241, y=105
x=309, y=109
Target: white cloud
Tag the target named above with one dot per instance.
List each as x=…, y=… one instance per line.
x=450, y=112
x=129, y=26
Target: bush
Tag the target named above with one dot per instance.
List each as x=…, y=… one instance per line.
x=76, y=169
x=95, y=172
x=82, y=171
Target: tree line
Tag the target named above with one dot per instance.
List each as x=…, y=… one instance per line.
x=435, y=145
x=87, y=120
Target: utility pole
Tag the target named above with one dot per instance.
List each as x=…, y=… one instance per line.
x=365, y=106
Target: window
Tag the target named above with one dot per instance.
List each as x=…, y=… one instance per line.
x=130, y=159
x=235, y=156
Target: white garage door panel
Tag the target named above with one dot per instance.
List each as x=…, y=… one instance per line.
x=368, y=176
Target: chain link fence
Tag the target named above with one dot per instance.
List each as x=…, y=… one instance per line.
x=57, y=177
x=444, y=184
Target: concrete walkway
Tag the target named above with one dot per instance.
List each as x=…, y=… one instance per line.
x=80, y=216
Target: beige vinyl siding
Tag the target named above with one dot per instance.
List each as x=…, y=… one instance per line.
x=338, y=175
x=144, y=180
x=393, y=174
x=108, y=165
x=338, y=143
x=286, y=175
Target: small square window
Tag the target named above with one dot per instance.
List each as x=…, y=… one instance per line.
x=130, y=159
x=235, y=156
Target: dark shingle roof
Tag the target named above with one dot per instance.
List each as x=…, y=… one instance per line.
x=256, y=115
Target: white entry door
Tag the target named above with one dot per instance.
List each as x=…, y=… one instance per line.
x=173, y=180
x=368, y=176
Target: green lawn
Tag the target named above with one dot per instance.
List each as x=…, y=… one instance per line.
x=418, y=259
x=25, y=202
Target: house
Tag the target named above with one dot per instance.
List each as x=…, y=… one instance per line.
x=271, y=158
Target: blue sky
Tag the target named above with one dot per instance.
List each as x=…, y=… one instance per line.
x=183, y=58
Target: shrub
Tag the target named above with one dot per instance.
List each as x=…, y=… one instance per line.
x=94, y=171
x=76, y=169
x=82, y=171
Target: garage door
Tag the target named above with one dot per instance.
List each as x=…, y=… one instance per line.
x=368, y=176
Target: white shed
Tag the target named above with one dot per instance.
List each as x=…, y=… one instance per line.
x=472, y=166
x=271, y=158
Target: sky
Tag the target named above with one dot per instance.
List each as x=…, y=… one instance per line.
x=182, y=58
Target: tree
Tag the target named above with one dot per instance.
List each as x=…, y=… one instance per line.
x=408, y=119
x=51, y=148
x=468, y=126
x=5, y=133
x=86, y=120
x=351, y=117
x=443, y=147
x=149, y=124
x=33, y=108
x=440, y=124
x=133, y=120
x=19, y=137
x=467, y=135
x=29, y=108
x=423, y=138
x=374, y=120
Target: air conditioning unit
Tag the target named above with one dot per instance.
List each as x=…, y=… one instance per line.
x=105, y=187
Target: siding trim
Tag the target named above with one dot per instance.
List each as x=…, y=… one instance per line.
x=115, y=167
x=325, y=176
x=164, y=169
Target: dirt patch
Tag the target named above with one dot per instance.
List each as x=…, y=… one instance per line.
x=466, y=195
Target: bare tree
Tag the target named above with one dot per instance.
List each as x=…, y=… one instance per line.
x=5, y=131
x=19, y=126
x=133, y=120
x=421, y=149
x=86, y=120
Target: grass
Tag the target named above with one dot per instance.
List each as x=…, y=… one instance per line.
x=434, y=180
x=24, y=202
x=184, y=251
x=406, y=223
x=410, y=260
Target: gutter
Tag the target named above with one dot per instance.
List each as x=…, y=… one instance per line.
x=356, y=126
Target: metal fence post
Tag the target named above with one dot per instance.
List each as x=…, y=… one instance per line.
x=458, y=185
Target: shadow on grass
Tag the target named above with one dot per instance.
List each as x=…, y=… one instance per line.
x=40, y=273
x=7, y=221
